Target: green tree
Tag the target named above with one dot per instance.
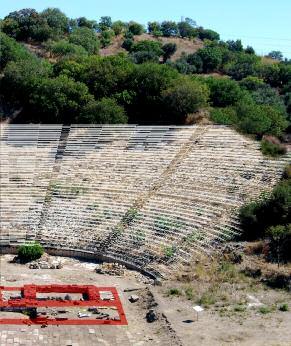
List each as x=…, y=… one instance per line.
x=56, y=20
x=249, y=218
x=58, y=99
x=10, y=50
x=127, y=44
x=86, y=38
x=142, y=57
x=211, y=58
x=148, y=46
x=20, y=78
x=119, y=27
x=250, y=50
x=224, y=116
x=252, y=83
x=224, y=92
x=186, y=30
x=257, y=217
x=169, y=49
x=84, y=22
x=235, y=46
x=280, y=242
x=276, y=55
x=105, y=23
x=104, y=76
x=105, y=111
x=207, y=34
x=135, y=28
x=186, y=96
x=242, y=66
x=169, y=28
x=154, y=27
x=22, y=24
x=146, y=82
x=195, y=61
x=260, y=119
x=106, y=38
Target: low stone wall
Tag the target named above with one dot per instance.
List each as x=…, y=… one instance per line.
x=85, y=255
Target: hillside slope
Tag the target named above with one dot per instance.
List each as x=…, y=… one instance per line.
x=184, y=45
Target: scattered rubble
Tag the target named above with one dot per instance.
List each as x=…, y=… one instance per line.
x=115, y=269
x=45, y=262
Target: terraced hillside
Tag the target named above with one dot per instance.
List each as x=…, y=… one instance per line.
x=151, y=197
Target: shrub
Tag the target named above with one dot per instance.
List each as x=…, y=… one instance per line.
x=206, y=34
x=64, y=48
x=280, y=242
x=189, y=292
x=135, y=28
x=127, y=44
x=265, y=310
x=272, y=149
x=207, y=298
x=224, y=92
x=239, y=308
x=30, y=252
x=106, y=37
x=287, y=172
x=104, y=111
x=86, y=38
x=186, y=30
x=169, y=28
x=168, y=50
x=284, y=307
x=224, y=116
x=185, y=97
x=211, y=58
x=249, y=221
x=10, y=50
x=144, y=57
x=174, y=292
x=169, y=251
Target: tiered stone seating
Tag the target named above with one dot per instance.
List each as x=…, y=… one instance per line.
x=27, y=156
x=149, y=196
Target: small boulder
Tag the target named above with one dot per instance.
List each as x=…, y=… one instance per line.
x=133, y=298
x=151, y=316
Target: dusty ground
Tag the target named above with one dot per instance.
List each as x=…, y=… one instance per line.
x=227, y=320
x=138, y=331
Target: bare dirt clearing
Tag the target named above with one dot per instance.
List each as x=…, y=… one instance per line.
x=246, y=314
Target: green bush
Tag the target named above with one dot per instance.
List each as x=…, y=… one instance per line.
x=224, y=116
x=185, y=97
x=265, y=310
x=86, y=38
x=104, y=111
x=135, y=28
x=270, y=218
x=174, y=292
x=272, y=149
x=224, y=91
x=284, y=307
x=30, y=252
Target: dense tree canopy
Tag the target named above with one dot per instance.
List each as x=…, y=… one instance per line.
x=145, y=84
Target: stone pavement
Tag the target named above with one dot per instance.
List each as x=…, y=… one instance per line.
x=65, y=336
